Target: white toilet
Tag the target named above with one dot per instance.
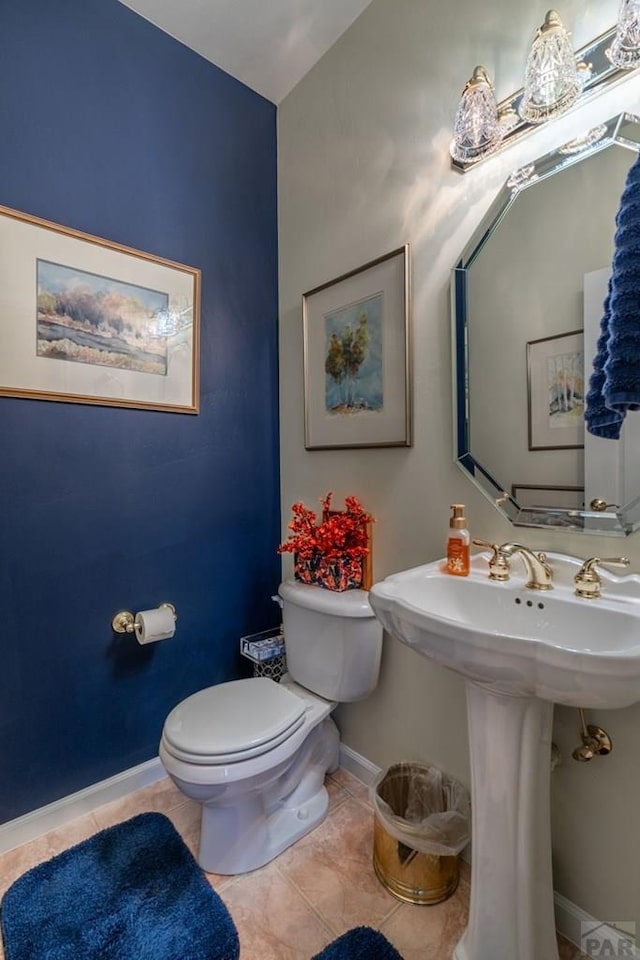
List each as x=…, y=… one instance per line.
x=255, y=753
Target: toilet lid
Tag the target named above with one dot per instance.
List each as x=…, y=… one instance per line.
x=233, y=721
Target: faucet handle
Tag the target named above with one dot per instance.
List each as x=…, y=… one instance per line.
x=542, y=557
x=485, y=543
x=498, y=562
x=598, y=505
x=587, y=580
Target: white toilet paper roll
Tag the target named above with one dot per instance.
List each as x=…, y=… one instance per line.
x=152, y=625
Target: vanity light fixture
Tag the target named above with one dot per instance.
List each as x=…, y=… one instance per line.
x=476, y=129
x=625, y=49
x=553, y=80
x=556, y=78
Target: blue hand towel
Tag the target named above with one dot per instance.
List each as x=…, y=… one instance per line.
x=600, y=420
x=615, y=381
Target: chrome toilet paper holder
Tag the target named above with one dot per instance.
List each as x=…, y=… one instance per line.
x=124, y=620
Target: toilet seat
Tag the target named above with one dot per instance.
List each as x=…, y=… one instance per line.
x=232, y=721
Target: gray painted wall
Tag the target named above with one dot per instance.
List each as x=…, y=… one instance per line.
x=363, y=168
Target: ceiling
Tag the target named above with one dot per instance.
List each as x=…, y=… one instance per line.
x=267, y=44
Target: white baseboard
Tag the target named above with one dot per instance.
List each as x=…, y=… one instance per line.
x=574, y=924
x=57, y=814
x=357, y=765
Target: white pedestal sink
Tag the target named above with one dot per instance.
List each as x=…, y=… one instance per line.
x=520, y=651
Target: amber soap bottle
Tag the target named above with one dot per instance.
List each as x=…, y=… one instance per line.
x=458, y=543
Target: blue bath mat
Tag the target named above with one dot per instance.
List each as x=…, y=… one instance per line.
x=132, y=892
x=362, y=943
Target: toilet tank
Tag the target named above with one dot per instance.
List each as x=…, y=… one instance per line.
x=333, y=640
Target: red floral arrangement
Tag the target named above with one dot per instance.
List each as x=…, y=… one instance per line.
x=329, y=553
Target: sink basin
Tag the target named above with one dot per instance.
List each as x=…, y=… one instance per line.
x=547, y=644
x=519, y=651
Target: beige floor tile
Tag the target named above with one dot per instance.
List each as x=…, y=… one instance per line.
x=318, y=888
x=456, y=919
x=219, y=881
x=332, y=866
x=354, y=787
x=15, y=862
x=160, y=797
x=274, y=922
x=337, y=794
x=186, y=819
x=567, y=951
x=433, y=931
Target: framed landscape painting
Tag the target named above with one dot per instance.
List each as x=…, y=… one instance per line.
x=84, y=320
x=357, y=357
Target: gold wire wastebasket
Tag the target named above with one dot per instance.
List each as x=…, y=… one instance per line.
x=409, y=873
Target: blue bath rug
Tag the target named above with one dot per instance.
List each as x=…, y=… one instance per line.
x=362, y=943
x=132, y=892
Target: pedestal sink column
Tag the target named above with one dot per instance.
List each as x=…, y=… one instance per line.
x=511, y=911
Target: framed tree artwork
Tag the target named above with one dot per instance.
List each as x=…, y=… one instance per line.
x=357, y=382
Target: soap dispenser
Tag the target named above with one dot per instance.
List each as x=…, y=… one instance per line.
x=458, y=543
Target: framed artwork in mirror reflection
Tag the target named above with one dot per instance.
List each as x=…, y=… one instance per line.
x=540, y=495
x=555, y=391
x=357, y=356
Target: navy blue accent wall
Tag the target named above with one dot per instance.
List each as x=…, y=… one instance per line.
x=111, y=127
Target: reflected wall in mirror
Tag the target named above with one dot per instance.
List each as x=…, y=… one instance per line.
x=532, y=278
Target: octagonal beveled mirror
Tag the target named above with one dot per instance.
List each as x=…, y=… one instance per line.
x=527, y=298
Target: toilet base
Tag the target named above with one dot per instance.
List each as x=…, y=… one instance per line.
x=259, y=846
x=243, y=836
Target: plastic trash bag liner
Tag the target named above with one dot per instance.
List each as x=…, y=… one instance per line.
x=423, y=808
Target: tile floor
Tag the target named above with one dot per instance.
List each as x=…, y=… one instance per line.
x=314, y=891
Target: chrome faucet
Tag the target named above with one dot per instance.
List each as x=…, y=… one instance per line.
x=539, y=572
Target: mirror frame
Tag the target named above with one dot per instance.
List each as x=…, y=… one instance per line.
x=623, y=130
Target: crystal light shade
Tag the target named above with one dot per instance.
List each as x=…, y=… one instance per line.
x=625, y=49
x=552, y=80
x=477, y=129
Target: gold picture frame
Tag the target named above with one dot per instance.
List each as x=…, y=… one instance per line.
x=357, y=356
x=87, y=320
